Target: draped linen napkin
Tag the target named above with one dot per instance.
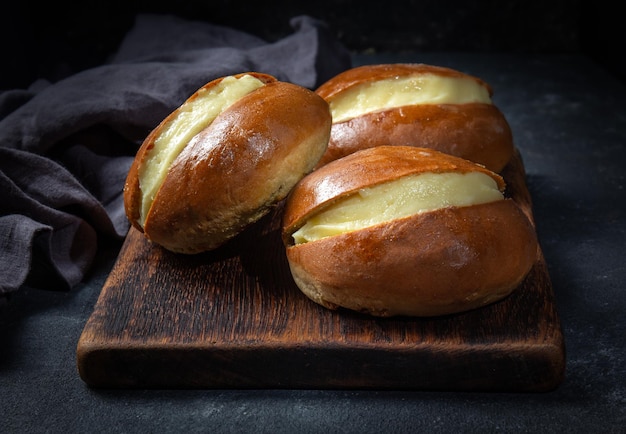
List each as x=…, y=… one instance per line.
x=66, y=147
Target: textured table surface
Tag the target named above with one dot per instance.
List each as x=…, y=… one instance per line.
x=569, y=122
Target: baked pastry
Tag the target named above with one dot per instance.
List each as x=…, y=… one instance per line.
x=398, y=230
x=222, y=159
x=416, y=105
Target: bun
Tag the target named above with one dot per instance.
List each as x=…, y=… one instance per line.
x=463, y=246
x=416, y=105
x=222, y=159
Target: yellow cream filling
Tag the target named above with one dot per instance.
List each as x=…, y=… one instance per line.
x=397, y=199
x=192, y=117
x=412, y=90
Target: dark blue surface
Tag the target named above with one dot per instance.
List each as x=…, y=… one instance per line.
x=569, y=122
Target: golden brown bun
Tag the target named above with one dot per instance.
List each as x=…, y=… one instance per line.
x=476, y=131
x=433, y=263
x=233, y=171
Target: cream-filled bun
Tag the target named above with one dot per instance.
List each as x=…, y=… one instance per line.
x=397, y=230
x=222, y=159
x=416, y=105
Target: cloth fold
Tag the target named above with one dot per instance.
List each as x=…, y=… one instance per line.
x=65, y=147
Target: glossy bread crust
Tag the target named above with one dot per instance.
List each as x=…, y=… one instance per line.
x=232, y=173
x=475, y=131
x=434, y=263
x=132, y=191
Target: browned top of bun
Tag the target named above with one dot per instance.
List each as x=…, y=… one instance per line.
x=230, y=173
x=475, y=129
x=367, y=168
x=132, y=192
x=366, y=73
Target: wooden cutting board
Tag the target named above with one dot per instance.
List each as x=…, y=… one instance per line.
x=233, y=318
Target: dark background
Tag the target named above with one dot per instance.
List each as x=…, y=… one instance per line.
x=567, y=116
x=54, y=39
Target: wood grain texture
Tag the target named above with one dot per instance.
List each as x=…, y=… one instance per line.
x=233, y=318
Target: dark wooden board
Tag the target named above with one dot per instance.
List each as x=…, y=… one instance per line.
x=233, y=318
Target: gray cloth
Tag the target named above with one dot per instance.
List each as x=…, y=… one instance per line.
x=65, y=148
